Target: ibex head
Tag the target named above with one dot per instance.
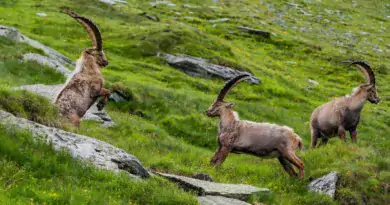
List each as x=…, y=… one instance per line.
x=97, y=44
x=219, y=105
x=369, y=87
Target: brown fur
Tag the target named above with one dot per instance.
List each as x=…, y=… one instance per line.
x=85, y=85
x=258, y=139
x=342, y=114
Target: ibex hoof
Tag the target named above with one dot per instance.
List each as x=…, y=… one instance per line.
x=100, y=105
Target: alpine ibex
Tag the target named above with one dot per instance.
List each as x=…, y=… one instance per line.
x=85, y=85
x=343, y=113
x=258, y=139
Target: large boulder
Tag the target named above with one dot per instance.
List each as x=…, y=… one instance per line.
x=325, y=185
x=199, y=67
x=100, y=154
x=14, y=35
x=237, y=191
x=46, y=61
x=50, y=91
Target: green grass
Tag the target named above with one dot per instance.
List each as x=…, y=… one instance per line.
x=33, y=173
x=164, y=125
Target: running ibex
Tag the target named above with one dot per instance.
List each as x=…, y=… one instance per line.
x=85, y=85
x=341, y=114
x=258, y=139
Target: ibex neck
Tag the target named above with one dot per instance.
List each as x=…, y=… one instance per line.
x=227, y=119
x=90, y=66
x=357, y=100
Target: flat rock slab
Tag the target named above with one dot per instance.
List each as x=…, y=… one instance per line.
x=325, y=185
x=100, y=154
x=50, y=91
x=113, y=2
x=14, y=35
x=46, y=61
x=199, y=67
x=236, y=191
x=219, y=200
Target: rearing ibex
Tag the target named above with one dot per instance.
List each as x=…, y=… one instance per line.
x=343, y=113
x=85, y=85
x=258, y=139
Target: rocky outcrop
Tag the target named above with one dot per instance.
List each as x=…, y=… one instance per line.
x=46, y=61
x=100, y=154
x=255, y=31
x=199, y=67
x=203, y=188
x=325, y=185
x=49, y=91
x=14, y=35
x=219, y=200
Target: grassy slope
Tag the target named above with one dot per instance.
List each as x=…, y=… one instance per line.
x=166, y=128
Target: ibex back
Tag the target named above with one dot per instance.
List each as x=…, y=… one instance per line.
x=343, y=114
x=258, y=139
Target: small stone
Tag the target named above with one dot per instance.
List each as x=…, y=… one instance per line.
x=325, y=185
x=113, y=2
x=41, y=14
x=313, y=82
x=261, y=33
x=219, y=20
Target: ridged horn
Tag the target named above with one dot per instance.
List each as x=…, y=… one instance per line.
x=90, y=27
x=365, y=68
x=229, y=85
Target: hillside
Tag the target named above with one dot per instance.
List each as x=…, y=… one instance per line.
x=163, y=121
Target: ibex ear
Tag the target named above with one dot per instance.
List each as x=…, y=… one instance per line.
x=229, y=105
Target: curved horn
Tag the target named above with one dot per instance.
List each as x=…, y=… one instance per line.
x=90, y=27
x=229, y=85
x=366, y=70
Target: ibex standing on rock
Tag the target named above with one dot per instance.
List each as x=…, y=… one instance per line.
x=258, y=139
x=343, y=113
x=85, y=85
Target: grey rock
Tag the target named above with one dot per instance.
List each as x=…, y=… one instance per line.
x=199, y=67
x=50, y=91
x=219, y=200
x=219, y=20
x=325, y=185
x=43, y=60
x=117, y=97
x=100, y=154
x=151, y=17
x=156, y=3
x=202, y=176
x=113, y=2
x=236, y=191
x=313, y=82
x=255, y=31
x=41, y=14
x=14, y=35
